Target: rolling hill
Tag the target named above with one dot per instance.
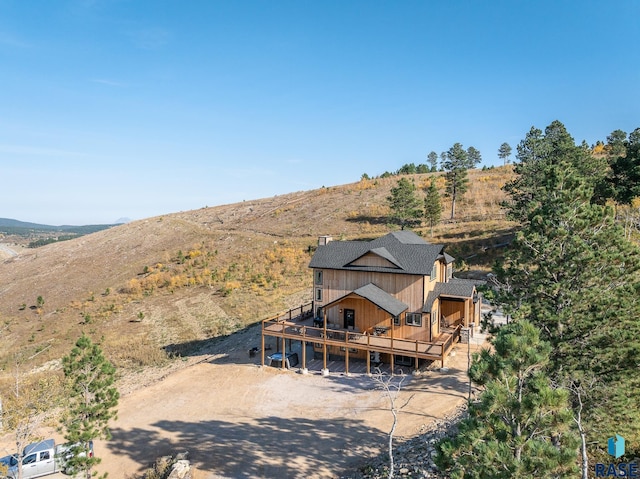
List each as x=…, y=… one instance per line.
x=157, y=288
x=23, y=228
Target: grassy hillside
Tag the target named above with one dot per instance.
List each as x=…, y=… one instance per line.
x=150, y=289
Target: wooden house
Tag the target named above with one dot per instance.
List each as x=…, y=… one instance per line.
x=392, y=300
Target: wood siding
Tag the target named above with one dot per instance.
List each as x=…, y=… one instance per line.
x=404, y=287
x=456, y=311
x=410, y=289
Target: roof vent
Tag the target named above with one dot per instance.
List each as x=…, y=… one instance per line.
x=324, y=240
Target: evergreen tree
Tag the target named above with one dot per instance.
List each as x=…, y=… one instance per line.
x=93, y=399
x=457, y=182
x=616, y=143
x=571, y=271
x=407, y=169
x=521, y=425
x=504, y=152
x=473, y=157
x=422, y=168
x=625, y=169
x=432, y=205
x=404, y=204
x=443, y=158
x=432, y=157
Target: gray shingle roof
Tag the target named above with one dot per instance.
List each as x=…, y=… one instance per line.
x=378, y=297
x=460, y=288
x=405, y=249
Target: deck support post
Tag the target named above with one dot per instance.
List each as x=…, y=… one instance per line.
x=392, y=355
x=284, y=350
x=304, y=357
x=325, y=371
x=262, y=346
x=324, y=357
x=346, y=361
x=368, y=363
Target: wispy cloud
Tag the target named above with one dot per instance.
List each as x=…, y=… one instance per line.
x=104, y=81
x=150, y=38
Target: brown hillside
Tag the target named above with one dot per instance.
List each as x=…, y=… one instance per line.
x=165, y=283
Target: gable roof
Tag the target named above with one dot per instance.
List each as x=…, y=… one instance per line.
x=379, y=297
x=405, y=249
x=455, y=287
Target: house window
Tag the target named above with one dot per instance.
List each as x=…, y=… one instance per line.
x=396, y=320
x=449, y=271
x=318, y=276
x=318, y=294
x=414, y=319
x=434, y=271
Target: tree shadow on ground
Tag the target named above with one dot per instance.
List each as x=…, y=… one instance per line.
x=240, y=341
x=262, y=448
x=370, y=219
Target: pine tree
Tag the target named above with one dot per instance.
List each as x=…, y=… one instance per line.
x=504, y=152
x=571, y=272
x=616, y=143
x=625, y=169
x=455, y=166
x=432, y=157
x=474, y=157
x=432, y=205
x=93, y=399
x=404, y=204
x=521, y=425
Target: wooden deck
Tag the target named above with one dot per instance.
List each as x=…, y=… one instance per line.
x=300, y=327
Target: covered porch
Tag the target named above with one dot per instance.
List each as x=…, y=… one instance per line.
x=352, y=342
x=456, y=302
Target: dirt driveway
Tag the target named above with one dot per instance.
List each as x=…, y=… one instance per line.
x=238, y=420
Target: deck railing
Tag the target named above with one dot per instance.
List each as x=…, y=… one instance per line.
x=281, y=326
x=451, y=340
x=297, y=314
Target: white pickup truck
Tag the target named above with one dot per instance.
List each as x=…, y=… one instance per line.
x=39, y=459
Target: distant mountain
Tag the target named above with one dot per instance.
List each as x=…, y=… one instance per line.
x=23, y=228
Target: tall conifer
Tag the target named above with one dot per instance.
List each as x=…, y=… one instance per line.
x=93, y=399
x=521, y=425
x=572, y=272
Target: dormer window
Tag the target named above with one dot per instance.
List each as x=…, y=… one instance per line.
x=434, y=271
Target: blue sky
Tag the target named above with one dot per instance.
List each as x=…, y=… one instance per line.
x=116, y=108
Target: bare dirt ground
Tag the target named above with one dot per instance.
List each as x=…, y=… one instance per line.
x=239, y=420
